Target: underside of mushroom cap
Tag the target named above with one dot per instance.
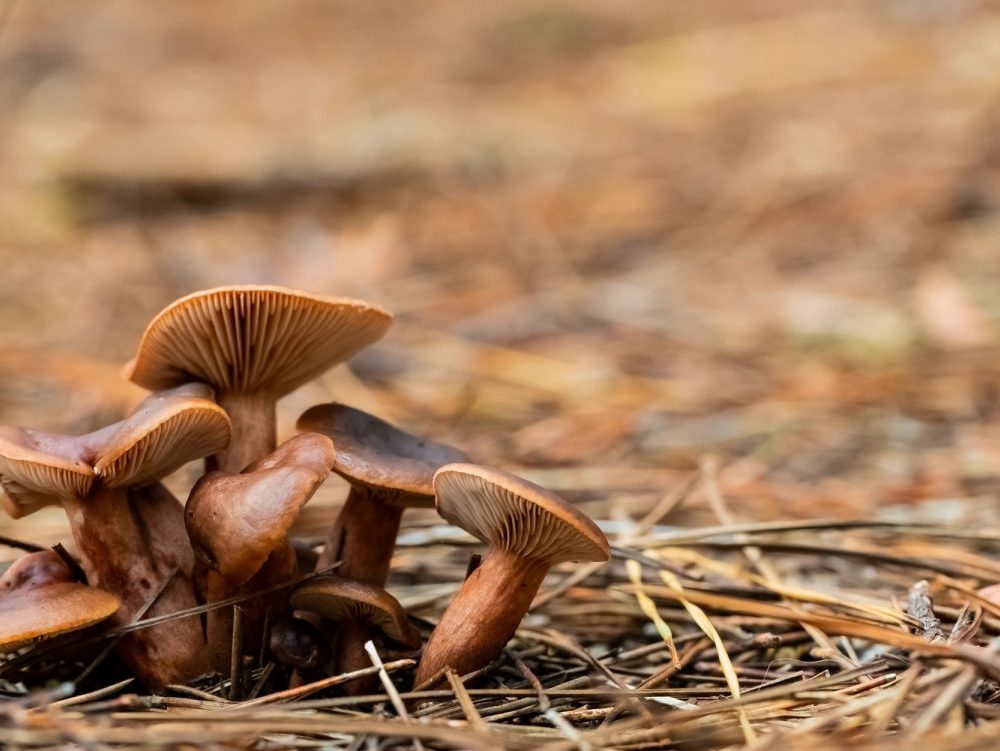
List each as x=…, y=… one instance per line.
x=516, y=516
x=19, y=501
x=375, y=453
x=39, y=612
x=236, y=520
x=252, y=339
x=37, y=467
x=167, y=430
x=340, y=599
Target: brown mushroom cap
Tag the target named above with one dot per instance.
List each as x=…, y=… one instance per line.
x=516, y=516
x=297, y=643
x=374, y=453
x=253, y=339
x=167, y=430
x=37, y=466
x=236, y=520
x=36, y=613
x=341, y=599
x=38, y=569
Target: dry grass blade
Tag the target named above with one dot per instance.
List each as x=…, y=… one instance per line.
x=947, y=700
x=390, y=689
x=705, y=624
x=236, y=656
x=293, y=694
x=99, y=693
x=29, y=547
x=476, y=721
x=873, y=632
x=648, y=607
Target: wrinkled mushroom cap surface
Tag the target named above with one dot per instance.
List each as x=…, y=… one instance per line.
x=251, y=339
x=374, y=453
x=236, y=520
x=36, y=613
x=339, y=599
x=167, y=430
x=516, y=516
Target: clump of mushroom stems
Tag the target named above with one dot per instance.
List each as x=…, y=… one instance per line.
x=239, y=525
x=149, y=556
x=132, y=543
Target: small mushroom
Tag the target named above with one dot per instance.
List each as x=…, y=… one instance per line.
x=253, y=345
x=129, y=529
x=39, y=599
x=389, y=470
x=361, y=612
x=238, y=524
x=298, y=644
x=529, y=529
x=37, y=569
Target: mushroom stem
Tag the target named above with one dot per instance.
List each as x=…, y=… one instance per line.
x=254, y=432
x=363, y=537
x=131, y=543
x=279, y=566
x=483, y=616
x=351, y=656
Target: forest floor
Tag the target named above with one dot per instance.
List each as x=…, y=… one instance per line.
x=723, y=274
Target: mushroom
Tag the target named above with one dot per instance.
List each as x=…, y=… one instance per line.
x=238, y=524
x=129, y=529
x=389, y=470
x=362, y=612
x=253, y=344
x=298, y=644
x=38, y=569
x=528, y=529
x=39, y=599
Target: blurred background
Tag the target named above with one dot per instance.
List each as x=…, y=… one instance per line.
x=625, y=242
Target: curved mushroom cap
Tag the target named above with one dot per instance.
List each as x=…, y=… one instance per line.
x=341, y=599
x=236, y=520
x=297, y=643
x=37, y=569
x=516, y=516
x=19, y=501
x=37, y=467
x=36, y=613
x=167, y=430
x=374, y=453
x=253, y=339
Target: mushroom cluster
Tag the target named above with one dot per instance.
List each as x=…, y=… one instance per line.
x=217, y=361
